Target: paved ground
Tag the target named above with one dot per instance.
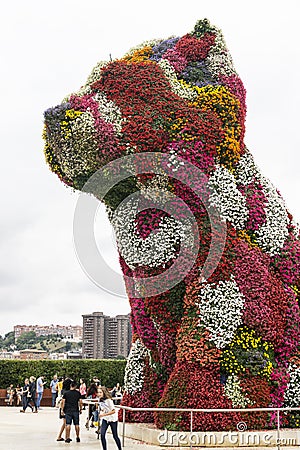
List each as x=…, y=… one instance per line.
x=39, y=431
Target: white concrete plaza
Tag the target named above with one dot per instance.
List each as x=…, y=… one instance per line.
x=39, y=431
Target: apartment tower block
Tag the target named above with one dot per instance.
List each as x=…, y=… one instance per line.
x=106, y=337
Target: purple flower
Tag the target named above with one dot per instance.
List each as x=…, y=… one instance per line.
x=160, y=49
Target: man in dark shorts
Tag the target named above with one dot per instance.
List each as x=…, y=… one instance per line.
x=71, y=407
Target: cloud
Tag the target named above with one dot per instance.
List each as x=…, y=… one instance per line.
x=48, y=54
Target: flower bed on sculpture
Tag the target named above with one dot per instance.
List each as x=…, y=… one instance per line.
x=230, y=340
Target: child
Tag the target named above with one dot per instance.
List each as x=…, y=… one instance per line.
x=109, y=416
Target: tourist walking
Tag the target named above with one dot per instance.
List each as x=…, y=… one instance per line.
x=82, y=390
x=65, y=387
x=109, y=417
x=117, y=394
x=32, y=393
x=40, y=390
x=91, y=395
x=71, y=407
x=26, y=396
x=59, y=385
x=53, y=387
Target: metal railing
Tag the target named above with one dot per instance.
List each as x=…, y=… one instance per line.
x=206, y=410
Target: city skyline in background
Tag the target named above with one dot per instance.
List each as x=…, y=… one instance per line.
x=99, y=337
x=43, y=329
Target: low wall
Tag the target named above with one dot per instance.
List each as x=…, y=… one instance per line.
x=46, y=399
x=149, y=434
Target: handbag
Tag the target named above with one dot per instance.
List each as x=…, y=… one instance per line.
x=58, y=401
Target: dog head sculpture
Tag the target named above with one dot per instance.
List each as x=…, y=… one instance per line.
x=172, y=111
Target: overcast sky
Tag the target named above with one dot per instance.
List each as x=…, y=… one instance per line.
x=47, y=51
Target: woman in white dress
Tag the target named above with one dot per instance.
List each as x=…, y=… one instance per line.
x=109, y=417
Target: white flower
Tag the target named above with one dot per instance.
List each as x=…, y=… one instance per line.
x=292, y=393
x=272, y=234
x=225, y=196
x=109, y=111
x=134, y=370
x=78, y=148
x=94, y=76
x=158, y=248
x=233, y=391
x=178, y=88
x=295, y=228
x=174, y=162
x=156, y=189
x=219, y=60
x=246, y=170
x=221, y=309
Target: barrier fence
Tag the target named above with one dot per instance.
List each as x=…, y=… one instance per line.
x=203, y=410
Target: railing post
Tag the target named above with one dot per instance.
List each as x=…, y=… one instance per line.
x=123, y=432
x=212, y=410
x=278, y=429
x=191, y=429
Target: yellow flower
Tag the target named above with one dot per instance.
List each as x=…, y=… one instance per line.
x=250, y=239
x=220, y=100
x=72, y=114
x=246, y=340
x=141, y=55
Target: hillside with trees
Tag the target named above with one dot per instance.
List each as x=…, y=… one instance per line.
x=49, y=343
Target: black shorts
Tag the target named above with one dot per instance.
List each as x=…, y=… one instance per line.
x=72, y=417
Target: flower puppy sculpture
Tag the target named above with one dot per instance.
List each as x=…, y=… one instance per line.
x=172, y=113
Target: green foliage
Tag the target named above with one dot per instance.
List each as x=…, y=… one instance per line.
x=80, y=180
x=109, y=372
x=8, y=340
x=68, y=346
x=177, y=294
x=202, y=27
x=160, y=370
x=119, y=192
x=50, y=343
x=27, y=340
